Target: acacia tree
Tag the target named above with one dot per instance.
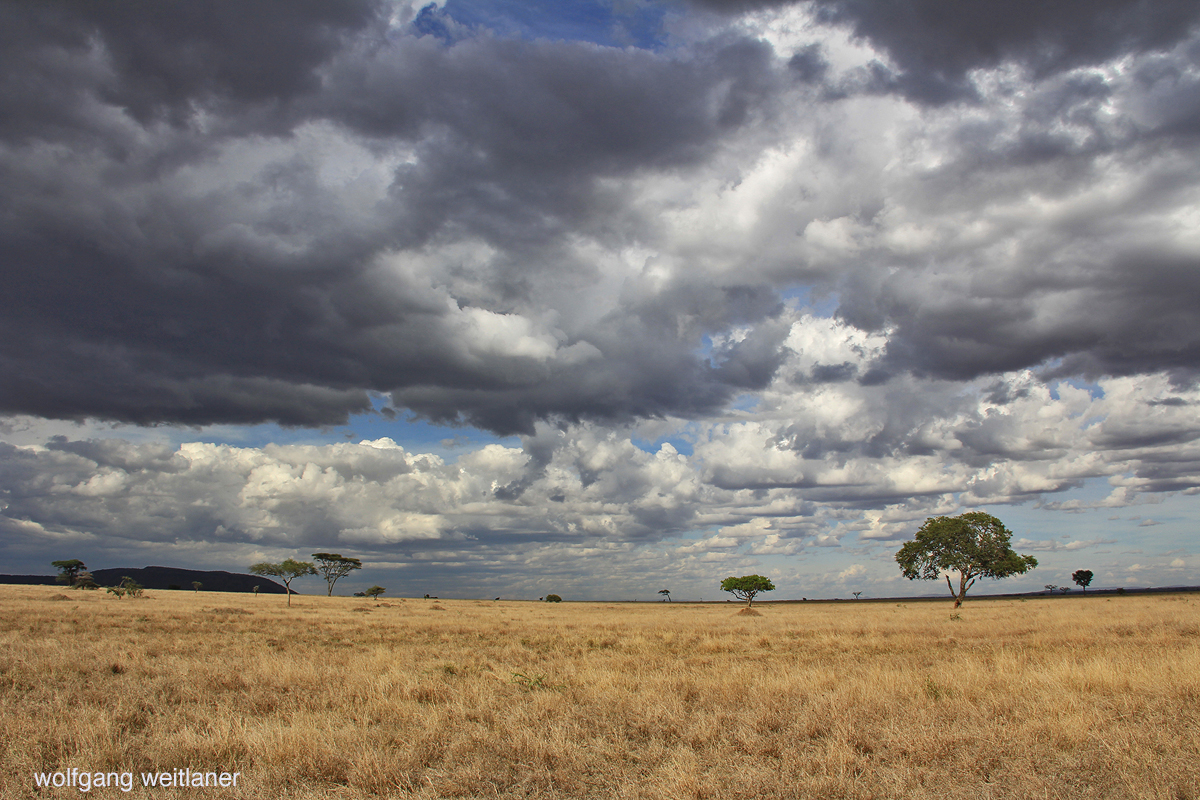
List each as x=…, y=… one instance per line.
x=287, y=571
x=68, y=570
x=1083, y=577
x=334, y=566
x=975, y=544
x=747, y=586
x=666, y=593
x=128, y=587
x=374, y=592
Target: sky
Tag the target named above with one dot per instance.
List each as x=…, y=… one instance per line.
x=600, y=297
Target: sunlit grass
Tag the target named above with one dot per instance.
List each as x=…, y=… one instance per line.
x=340, y=697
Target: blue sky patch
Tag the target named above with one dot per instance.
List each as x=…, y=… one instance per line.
x=611, y=24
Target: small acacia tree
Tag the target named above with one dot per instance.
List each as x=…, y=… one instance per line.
x=666, y=593
x=747, y=586
x=374, y=592
x=68, y=570
x=334, y=566
x=1083, y=577
x=975, y=544
x=196, y=586
x=128, y=587
x=287, y=571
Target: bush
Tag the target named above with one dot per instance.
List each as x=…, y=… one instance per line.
x=128, y=587
x=553, y=598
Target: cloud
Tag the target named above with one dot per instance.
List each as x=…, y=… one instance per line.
x=852, y=571
x=936, y=47
x=498, y=230
x=201, y=219
x=1050, y=545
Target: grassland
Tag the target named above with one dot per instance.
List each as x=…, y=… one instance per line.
x=343, y=698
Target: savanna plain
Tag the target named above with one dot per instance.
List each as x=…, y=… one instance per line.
x=1064, y=697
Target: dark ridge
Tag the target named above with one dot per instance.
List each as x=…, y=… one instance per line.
x=166, y=578
x=31, y=580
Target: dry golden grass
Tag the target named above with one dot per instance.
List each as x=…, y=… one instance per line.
x=336, y=697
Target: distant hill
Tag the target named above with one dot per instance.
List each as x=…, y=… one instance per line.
x=167, y=578
x=30, y=580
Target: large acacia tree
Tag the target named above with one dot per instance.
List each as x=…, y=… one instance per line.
x=334, y=566
x=747, y=586
x=975, y=545
x=69, y=570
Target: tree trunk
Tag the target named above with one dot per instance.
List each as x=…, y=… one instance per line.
x=961, y=594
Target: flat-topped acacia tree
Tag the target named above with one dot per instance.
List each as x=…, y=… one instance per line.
x=287, y=571
x=975, y=545
x=747, y=586
x=334, y=566
x=68, y=570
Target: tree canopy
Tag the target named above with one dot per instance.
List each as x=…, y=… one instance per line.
x=287, y=570
x=747, y=586
x=334, y=566
x=975, y=545
x=68, y=570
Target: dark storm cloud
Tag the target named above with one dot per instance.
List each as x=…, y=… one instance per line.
x=511, y=136
x=808, y=64
x=171, y=253
x=1133, y=313
x=239, y=213
x=1092, y=287
x=935, y=44
x=158, y=60
x=645, y=370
